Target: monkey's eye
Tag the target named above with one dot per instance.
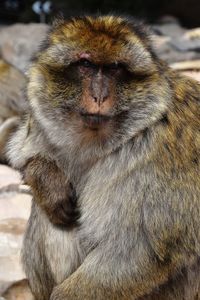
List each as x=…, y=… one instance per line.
x=115, y=67
x=85, y=63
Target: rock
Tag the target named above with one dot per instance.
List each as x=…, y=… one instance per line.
x=190, y=40
x=193, y=33
x=19, y=291
x=186, y=65
x=11, y=237
x=171, y=29
x=8, y=176
x=20, y=41
x=174, y=43
x=193, y=74
x=164, y=50
x=14, y=213
x=10, y=204
x=10, y=247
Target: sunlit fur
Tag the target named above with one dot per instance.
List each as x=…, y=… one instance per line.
x=137, y=177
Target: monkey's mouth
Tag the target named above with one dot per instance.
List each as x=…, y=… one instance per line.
x=94, y=121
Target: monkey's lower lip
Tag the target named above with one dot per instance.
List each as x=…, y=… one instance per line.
x=94, y=121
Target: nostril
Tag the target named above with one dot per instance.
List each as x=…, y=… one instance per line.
x=104, y=98
x=100, y=99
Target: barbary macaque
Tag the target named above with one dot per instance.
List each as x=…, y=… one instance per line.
x=111, y=150
x=12, y=103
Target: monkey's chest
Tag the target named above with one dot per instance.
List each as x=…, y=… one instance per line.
x=108, y=207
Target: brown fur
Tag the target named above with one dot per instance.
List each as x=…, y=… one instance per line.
x=52, y=191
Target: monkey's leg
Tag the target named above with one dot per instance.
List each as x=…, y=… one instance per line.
x=34, y=260
x=52, y=191
x=106, y=276
x=49, y=254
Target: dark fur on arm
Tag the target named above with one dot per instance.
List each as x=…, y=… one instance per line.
x=52, y=191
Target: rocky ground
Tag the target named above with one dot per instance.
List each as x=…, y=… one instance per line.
x=178, y=46
x=15, y=202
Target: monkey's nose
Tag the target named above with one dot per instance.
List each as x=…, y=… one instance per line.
x=101, y=103
x=99, y=88
x=99, y=99
x=99, y=94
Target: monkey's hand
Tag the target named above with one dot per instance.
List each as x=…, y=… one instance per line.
x=51, y=191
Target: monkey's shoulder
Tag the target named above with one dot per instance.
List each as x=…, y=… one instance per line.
x=179, y=147
x=183, y=114
x=186, y=90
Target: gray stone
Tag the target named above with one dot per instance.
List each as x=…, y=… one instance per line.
x=164, y=49
x=169, y=29
x=190, y=40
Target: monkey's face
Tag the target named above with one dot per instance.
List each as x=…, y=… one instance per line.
x=97, y=82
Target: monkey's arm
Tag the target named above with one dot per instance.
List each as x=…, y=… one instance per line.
x=102, y=279
x=133, y=261
x=52, y=191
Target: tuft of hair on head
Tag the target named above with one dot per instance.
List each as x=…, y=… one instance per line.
x=58, y=21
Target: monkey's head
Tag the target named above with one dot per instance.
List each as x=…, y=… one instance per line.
x=97, y=83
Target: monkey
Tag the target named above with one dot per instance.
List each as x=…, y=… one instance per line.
x=12, y=103
x=123, y=130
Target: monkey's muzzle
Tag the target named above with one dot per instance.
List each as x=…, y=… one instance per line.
x=94, y=121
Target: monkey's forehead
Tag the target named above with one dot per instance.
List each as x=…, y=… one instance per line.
x=104, y=39
x=83, y=27
x=105, y=32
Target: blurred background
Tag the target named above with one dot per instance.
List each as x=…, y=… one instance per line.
x=187, y=11
x=175, y=26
